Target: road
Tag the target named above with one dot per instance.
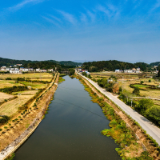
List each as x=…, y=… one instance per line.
x=147, y=125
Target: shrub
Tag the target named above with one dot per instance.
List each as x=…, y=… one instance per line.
x=153, y=113
x=13, y=89
x=115, y=88
x=136, y=91
x=4, y=119
x=149, y=80
x=8, y=78
x=143, y=105
x=142, y=82
x=120, y=90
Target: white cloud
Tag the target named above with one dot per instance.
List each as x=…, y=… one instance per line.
x=104, y=10
x=69, y=17
x=22, y=4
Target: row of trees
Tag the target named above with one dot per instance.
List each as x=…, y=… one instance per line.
x=110, y=84
x=9, y=90
x=112, y=65
x=38, y=64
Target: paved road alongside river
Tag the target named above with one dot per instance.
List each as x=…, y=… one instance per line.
x=148, y=126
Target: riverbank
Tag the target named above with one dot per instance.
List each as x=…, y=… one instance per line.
x=16, y=135
x=139, y=134
x=71, y=129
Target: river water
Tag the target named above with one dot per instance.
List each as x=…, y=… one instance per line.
x=71, y=129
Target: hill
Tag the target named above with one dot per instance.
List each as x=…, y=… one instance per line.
x=37, y=64
x=112, y=65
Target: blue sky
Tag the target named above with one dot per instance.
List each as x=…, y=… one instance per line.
x=126, y=30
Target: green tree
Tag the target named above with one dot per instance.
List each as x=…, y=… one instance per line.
x=136, y=91
x=143, y=105
x=159, y=73
x=71, y=71
x=154, y=114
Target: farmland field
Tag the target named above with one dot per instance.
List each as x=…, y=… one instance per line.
x=4, y=96
x=10, y=108
x=35, y=85
x=27, y=75
x=124, y=80
x=8, y=83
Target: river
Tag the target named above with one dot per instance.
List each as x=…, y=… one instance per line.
x=71, y=129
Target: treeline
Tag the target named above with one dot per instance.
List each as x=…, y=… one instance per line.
x=9, y=90
x=112, y=65
x=38, y=64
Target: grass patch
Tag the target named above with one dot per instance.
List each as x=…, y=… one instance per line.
x=34, y=85
x=11, y=157
x=61, y=80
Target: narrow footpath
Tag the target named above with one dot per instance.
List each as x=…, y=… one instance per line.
x=147, y=125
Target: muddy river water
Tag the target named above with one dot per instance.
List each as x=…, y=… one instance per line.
x=71, y=130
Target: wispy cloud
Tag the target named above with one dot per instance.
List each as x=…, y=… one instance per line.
x=110, y=10
x=69, y=17
x=104, y=10
x=22, y=4
x=51, y=21
x=83, y=18
x=55, y=18
x=92, y=16
x=157, y=5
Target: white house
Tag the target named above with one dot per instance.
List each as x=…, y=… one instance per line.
x=50, y=70
x=128, y=71
x=15, y=72
x=118, y=71
x=38, y=70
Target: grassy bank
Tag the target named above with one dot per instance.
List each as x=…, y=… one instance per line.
x=129, y=147
x=61, y=79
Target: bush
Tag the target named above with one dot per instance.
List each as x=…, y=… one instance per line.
x=115, y=88
x=153, y=113
x=142, y=82
x=4, y=119
x=9, y=90
x=143, y=105
x=120, y=90
x=149, y=80
x=8, y=78
x=136, y=91
x=20, y=79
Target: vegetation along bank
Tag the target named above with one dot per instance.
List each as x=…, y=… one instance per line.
x=133, y=141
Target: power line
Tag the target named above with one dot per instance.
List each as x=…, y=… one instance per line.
x=79, y=107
